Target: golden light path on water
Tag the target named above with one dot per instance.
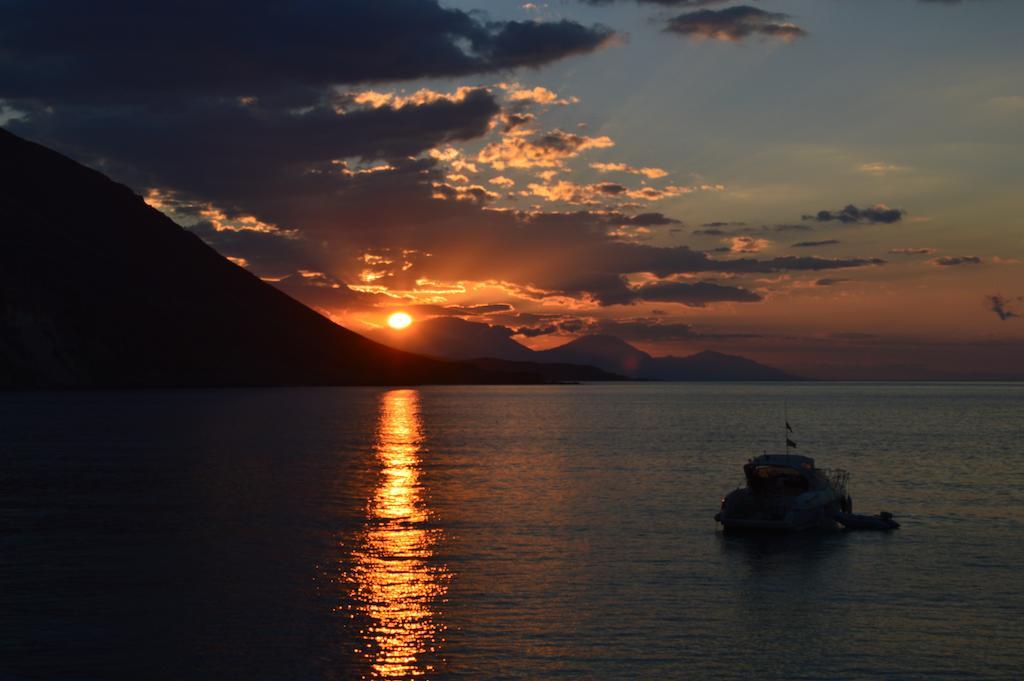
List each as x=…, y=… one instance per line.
x=398, y=588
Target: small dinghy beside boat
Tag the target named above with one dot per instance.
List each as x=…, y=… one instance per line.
x=883, y=521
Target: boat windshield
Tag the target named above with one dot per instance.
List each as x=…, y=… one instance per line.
x=778, y=480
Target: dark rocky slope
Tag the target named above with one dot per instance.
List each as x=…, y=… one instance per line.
x=98, y=289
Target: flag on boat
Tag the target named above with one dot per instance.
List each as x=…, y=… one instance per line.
x=789, y=428
x=790, y=443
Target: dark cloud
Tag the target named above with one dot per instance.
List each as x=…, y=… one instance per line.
x=608, y=259
x=649, y=329
x=830, y=282
x=911, y=251
x=324, y=292
x=740, y=228
x=644, y=330
x=611, y=188
x=205, y=146
x=469, y=244
x=795, y=263
x=230, y=106
x=954, y=260
x=498, y=245
x=510, y=121
x=812, y=244
x=634, y=329
x=475, y=193
x=612, y=289
x=734, y=24
x=59, y=52
x=271, y=254
x=711, y=3
x=533, y=332
x=459, y=310
x=696, y=294
x=470, y=310
x=669, y=3
x=1001, y=306
x=572, y=325
x=649, y=220
x=514, y=44
x=334, y=216
x=853, y=215
x=854, y=336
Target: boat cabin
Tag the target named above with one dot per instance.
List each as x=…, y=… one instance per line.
x=781, y=474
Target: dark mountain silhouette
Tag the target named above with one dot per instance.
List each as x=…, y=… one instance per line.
x=99, y=289
x=713, y=366
x=616, y=355
x=488, y=347
x=605, y=352
x=455, y=338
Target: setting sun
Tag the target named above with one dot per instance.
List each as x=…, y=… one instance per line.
x=399, y=320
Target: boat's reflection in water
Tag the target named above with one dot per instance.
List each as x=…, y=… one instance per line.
x=399, y=585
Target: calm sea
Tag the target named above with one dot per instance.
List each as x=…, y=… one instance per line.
x=512, y=532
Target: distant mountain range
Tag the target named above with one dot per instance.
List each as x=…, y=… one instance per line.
x=454, y=338
x=98, y=289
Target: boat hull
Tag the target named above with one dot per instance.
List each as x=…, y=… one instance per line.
x=742, y=511
x=796, y=524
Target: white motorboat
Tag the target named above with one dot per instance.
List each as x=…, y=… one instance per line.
x=786, y=492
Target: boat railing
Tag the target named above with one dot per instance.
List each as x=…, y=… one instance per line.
x=837, y=479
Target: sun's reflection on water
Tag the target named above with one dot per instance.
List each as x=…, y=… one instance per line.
x=398, y=585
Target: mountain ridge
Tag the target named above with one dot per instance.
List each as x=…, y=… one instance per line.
x=99, y=289
x=605, y=352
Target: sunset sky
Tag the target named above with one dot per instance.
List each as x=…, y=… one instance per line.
x=811, y=183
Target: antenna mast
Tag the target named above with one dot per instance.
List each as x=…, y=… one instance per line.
x=789, y=428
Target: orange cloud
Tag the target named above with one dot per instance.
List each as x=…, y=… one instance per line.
x=591, y=194
x=537, y=95
x=651, y=173
x=746, y=244
x=474, y=193
x=880, y=168
x=376, y=100
x=546, y=151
